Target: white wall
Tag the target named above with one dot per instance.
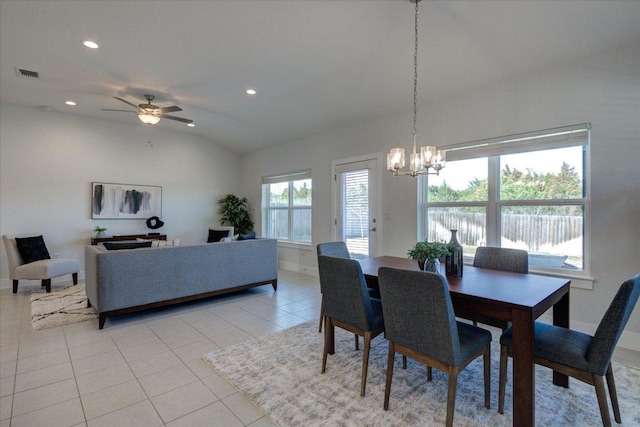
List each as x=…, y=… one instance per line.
x=603, y=90
x=48, y=161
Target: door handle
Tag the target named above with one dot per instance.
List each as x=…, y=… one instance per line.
x=373, y=229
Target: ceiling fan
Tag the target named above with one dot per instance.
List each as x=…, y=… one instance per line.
x=149, y=113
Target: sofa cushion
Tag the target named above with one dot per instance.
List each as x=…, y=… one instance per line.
x=248, y=236
x=114, y=246
x=32, y=249
x=217, y=235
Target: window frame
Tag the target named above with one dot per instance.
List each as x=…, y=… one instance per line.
x=267, y=209
x=493, y=205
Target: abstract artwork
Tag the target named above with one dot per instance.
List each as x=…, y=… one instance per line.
x=125, y=201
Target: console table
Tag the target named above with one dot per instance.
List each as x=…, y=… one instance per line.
x=123, y=237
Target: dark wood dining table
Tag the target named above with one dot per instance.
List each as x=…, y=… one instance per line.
x=518, y=298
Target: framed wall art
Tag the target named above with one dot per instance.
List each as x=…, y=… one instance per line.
x=125, y=201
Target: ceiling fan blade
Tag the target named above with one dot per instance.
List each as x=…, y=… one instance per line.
x=124, y=111
x=126, y=102
x=180, y=119
x=171, y=109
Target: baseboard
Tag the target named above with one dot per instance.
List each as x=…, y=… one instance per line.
x=8, y=283
x=305, y=269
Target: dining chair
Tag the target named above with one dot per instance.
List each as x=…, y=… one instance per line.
x=420, y=323
x=29, y=259
x=347, y=305
x=584, y=357
x=502, y=259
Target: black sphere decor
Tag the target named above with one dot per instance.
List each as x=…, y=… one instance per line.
x=154, y=223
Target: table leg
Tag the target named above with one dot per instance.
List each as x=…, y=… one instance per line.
x=523, y=369
x=561, y=318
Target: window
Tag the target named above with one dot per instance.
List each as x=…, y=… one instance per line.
x=286, y=206
x=526, y=191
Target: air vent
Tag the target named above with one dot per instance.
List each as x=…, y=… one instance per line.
x=20, y=72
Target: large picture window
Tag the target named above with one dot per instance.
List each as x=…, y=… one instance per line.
x=527, y=191
x=286, y=206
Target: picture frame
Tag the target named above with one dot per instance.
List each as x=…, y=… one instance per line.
x=125, y=201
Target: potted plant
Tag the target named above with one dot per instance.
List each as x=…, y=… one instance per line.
x=428, y=254
x=99, y=231
x=233, y=211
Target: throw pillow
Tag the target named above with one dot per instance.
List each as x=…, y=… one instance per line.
x=217, y=235
x=156, y=243
x=32, y=248
x=113, y=246
x=248, y=236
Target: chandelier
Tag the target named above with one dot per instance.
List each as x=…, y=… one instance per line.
x=429, y=157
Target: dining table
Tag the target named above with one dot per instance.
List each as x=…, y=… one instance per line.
x=514, y=297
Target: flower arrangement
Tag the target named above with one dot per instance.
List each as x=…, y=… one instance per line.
x=428, y=250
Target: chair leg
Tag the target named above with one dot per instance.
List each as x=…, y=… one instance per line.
x=451, y=396
x=598, y=382
x=321, y=316
x=502, y=383
x=15, y=286
x=75, y=278
x=487, y=376
x=387, y=387
x=327, y=338
x=404, y=362
x=47, y=284
x=429, y=374
x=611, y=384
x=357, y=341
x=365, y=361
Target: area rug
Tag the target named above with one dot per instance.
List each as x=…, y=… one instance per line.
x=280, y=373
x=60, y=307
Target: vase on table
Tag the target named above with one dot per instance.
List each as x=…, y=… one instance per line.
x=455, y=261
x=432, y=265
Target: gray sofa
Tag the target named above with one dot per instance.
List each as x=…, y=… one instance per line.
x=124, y=281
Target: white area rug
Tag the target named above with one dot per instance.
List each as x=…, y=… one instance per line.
x=60, y=307
x=280, y=373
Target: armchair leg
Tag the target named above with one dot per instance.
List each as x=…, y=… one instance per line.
x=15, y=286
x=75, y=278
x=47, y=284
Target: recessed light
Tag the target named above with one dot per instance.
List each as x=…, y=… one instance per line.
x=90, y=44
x=191, y=125
x=251, y=92
x=70, y=102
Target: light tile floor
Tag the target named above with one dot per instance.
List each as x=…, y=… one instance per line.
x=143, y=369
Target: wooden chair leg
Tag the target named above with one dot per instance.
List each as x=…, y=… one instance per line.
x=15, y=286
x=365, y=362
x=598, y=382
x=611, y=385
x=387, y=387
x=404, y=362
x=321, y=316
x=75, y=278
x=502, y=382
x=327, y=338
x=47, y=284
x=451, y=396
x=487, y=376
x=357, y=341
x=429, y=373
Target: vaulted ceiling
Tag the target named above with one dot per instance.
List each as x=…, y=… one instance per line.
x=316, y=65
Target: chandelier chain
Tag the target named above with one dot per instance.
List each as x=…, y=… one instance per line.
x=415, y=76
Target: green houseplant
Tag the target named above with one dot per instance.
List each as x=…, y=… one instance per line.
x=428, y=254
x=233, y=211
x=99, y=231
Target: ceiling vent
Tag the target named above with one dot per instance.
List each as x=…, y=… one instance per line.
x=20, y=72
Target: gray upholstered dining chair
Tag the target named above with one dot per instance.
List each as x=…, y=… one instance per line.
x=41, y=266
x=503, y=259
x=420, y=324
x=584, y=357
x=348, y=306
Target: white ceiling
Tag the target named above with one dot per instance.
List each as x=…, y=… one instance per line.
x=316, y=65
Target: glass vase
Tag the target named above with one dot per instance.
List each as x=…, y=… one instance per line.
x=455, y=261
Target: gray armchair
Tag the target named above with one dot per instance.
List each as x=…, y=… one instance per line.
x=420, y=324
x=503, y=259
x=347, y=305
x=579, y=355
x=43, y=270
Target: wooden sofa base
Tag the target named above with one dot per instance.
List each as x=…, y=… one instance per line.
x=102, y=317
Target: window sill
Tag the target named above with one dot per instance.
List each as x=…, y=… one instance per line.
x=295, y=245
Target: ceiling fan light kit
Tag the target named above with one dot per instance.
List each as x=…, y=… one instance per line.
x=148, y=119
x=151, y=114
